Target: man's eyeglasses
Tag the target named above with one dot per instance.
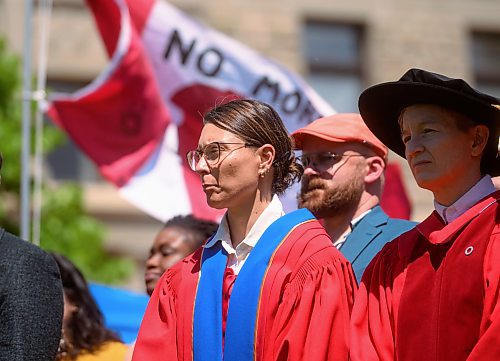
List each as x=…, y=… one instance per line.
x=323, y=161
x=212, y=153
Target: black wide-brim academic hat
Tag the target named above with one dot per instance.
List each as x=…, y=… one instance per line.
x=381, y=105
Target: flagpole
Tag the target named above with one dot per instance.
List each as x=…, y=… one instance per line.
x=44, y=15
x=26, y=121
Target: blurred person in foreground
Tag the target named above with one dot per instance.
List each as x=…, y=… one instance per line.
x=31, y=301
x=84, y=335
x=433, y=293
x=266, y=286
x=344, y=165
x=180, y=236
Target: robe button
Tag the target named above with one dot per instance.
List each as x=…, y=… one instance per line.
x=469, y=250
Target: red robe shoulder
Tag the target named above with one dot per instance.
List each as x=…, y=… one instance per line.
x=433, y=293
x=304, y=313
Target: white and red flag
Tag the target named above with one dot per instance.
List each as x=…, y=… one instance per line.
x=137, y=120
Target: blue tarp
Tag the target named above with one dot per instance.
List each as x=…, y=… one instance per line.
x=122, y=309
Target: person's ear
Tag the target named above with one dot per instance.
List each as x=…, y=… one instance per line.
x=496, y=182
x=480, y=135
x=375, y=168
x=266, y=154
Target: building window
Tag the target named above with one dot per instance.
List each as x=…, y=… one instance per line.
x=333, y=54
x=67, y=162
x=485, y=53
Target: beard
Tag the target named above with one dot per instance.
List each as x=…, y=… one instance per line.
x=324, y=200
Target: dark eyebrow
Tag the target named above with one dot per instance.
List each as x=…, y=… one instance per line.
x=423, y=123
x=430, y=121
x=206, y=145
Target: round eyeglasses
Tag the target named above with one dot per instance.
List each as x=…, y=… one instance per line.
x=322, y=161
x=212, y=153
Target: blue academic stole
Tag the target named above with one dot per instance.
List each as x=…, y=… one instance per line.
x=245, y=296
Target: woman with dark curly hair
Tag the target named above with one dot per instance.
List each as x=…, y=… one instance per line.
x=266, y=286
x=84, y=336
x=180, y=236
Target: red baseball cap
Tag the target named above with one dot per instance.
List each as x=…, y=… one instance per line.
x=341, y=128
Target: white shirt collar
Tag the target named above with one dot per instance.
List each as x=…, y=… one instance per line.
x=272, y=212
x=480, y=190
x=237, y=256
x=359, y=218
x=341, y=240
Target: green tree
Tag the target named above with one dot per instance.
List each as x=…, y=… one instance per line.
x=65, y=227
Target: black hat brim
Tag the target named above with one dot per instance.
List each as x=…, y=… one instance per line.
x=381, y=105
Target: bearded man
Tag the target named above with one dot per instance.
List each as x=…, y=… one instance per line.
x=343, y=177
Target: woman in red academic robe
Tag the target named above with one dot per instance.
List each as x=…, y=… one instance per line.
x=266, y=286
x=433, y=293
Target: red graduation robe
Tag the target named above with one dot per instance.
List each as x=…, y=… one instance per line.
x=433, y=293
x=303, y=313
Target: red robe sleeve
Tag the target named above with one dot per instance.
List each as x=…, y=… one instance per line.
x=374, y=314
x=488, y=346
x=157, y=339
x=312, y=321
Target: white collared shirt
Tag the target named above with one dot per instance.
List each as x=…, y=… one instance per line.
x=341, y=240
x=237, y=256
x=480, y=190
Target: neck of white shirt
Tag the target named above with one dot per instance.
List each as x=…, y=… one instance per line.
x=481, y=189
x=238, y=255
